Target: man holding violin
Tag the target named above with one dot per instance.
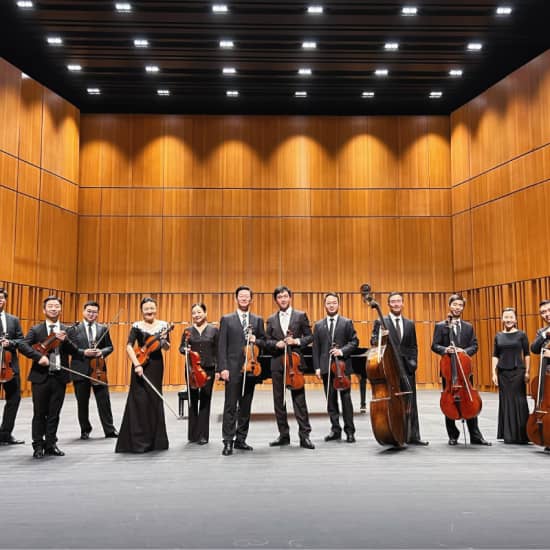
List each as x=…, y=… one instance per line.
x=335, y=339
x=10, y=335
x=93, y=341
x=237, y=330
x=288, y=331
x=49, y=380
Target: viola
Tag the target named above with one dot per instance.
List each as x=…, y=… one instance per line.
x=152, y=344
x=251, y=352
x=389, y=406
x=294, y=378
x=6, y=370
x=195, y=374
x=340, y=380
x=538, y=423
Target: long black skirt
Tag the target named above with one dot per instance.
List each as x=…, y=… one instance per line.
x=513, y=410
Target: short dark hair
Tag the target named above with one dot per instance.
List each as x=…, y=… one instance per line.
x=394, y=293
x=4, y=292
x=91, y=303
x=199, y=304
x=243, y=287
x=455, y=297
x=544, y=303
x=331, y=294
x=51, y=299
x=280, y=290
x=146, y=300
x=512, y=309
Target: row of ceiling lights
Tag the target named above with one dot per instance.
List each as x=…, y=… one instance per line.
x=126, y=7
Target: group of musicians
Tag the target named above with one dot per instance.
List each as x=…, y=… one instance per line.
x=223, y=352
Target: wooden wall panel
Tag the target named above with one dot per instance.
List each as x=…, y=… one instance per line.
x=25, y=267
x=7, y=232
x=413, y=151
x=28, y=179
x=8, y=171
x=30, y=132
x=10, y=91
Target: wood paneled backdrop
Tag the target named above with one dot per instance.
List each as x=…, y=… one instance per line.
x=186, y=208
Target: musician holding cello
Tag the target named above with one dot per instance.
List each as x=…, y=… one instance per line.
x=452, y=337
x=287, y=332
x=10, y=380
x=202, y=339
x=334, y=340
x=49, y=347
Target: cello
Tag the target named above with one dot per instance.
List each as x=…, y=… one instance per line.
x=538, y=423
x=389, y=406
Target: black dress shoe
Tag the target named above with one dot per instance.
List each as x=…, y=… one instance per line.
x=202, y=441
x=12, y=441
x=112, y=434
x=480, y=442
x=85, y=435
x=419, y=442
x=38, y=453
x=453, y=441
x=242, y=445
x=350, y=438
x=306, y=443
x=280, y=441
x=333, y=436
x=547, y=450
x=227, y=448
x=54, y=451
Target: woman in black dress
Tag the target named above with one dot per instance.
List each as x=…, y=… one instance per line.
x=510, y=374
x=203, y=338
x=143, y=427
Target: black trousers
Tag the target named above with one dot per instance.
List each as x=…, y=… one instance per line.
x=47, y=401
x=333, y=410
x=363, y=388
x=82, y=391
x=298, y=402
x=199, y=410
x=414, y=424
x=236, y=409
x=12, y=390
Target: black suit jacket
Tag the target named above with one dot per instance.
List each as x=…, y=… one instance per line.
x=14, y=334
x=407, y=348
x=232, y=340
x=345, y=338
x=299, y=327
x=39, y=374
x=79, y=337
x=441, y=339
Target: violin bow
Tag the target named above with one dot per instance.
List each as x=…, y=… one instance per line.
x=178, y=417
x=94, y=380
x=108, y=327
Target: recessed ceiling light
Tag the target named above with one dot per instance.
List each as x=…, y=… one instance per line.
x=93, y=91
x=24, y=4
x=220, y=8
x=455, y=72
x=152, y=69
x=475, y=46
x=504, y=10
x=54, y=40
x=232, y=93
x=435, y=95
x=391, y=46
x=24, y=76
x=226, y=44
x=300, y=94
x=315, y=10
x=74, y=67
x=304, y=71
x=381, y=72
x=309, y=45
x=409, y=10
x=123, y=7
x=141, y=43
x=367, y=94
x=229, y=70
x=163, y=92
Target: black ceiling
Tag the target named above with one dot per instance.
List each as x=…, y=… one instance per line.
x=184, y=40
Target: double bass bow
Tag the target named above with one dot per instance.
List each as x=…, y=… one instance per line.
x=389, y=406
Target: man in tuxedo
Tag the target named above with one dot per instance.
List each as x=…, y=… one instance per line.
x=288, y=328
x=542, y=339
x=463, y=336
x=335, y=336
x=402, y=333
x=232, y=339
x=48, y=379
x=92, y=339
x=10, y=336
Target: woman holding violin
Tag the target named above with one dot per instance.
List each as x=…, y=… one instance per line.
x=510, y=363
x=287, y=332
x=199, y=345
x=143, y=426
x=334, y=340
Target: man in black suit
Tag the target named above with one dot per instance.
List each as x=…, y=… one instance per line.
x=288, y=327
x=92, y=340
x=335, y=336
x=10, y=336
x=403, y=335
x=231, y=357
x=462, y=334
x=48, y=379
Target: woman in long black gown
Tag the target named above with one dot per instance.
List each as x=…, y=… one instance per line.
x=143, y=426
x=511, y=373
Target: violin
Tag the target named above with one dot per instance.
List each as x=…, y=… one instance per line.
x=340, y=380
x=50, y=344
x=98, y=369
x=251, y=352
x=6, y=370
x=196, y=376
x=538, y=423
x=459, y=400
x=389, y=406
x=294, y=378
x=152, y=344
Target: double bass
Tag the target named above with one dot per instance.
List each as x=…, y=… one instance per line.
x=538, y=423
x=389, y=407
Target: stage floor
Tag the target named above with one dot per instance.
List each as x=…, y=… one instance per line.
x=338, y=496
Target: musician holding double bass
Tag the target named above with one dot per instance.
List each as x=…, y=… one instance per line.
x=456, y=331
x=288, y=331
